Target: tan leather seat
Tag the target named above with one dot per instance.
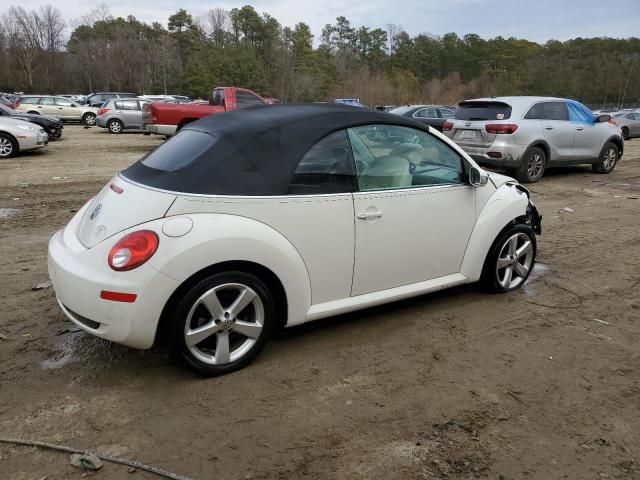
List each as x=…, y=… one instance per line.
x=386, y=172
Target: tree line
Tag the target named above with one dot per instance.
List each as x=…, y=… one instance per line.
x=42, y=52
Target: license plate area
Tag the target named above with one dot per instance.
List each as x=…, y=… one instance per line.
x=467, y=135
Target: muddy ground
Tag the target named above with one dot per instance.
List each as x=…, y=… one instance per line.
x=542, y=383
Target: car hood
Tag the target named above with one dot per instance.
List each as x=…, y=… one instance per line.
x=30, y=117
x=498, y=179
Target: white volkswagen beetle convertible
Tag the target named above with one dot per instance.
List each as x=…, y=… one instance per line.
x=281, y=215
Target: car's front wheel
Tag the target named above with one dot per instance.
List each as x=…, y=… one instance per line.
x=89, y=119
x=510, y=260
x=625, y=133
x=607, y=160
x=533, y=166
x=222, y=323
x=115, y=126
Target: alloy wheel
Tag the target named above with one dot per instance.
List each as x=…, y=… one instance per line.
x=535, y=165
x=90, y=119
x=224, y=324
x=115, y=127
x=6, y=147
x=514, y=261
x=610, y=158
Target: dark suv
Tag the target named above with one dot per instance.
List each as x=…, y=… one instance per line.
x=97, y=99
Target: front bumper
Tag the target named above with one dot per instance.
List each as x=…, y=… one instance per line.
x=32, y=141
x=158, y=129
x=79, y=275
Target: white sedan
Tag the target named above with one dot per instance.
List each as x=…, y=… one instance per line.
x=280, y=215
x=18, y=135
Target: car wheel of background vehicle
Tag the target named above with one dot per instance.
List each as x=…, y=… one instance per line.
x=533, y=166
x=33, y=112
x=510, y=260
x=625, y=133
x=607, y=160
x=222, y=323
x=89, y=119
x=115, y=126
x=8, y=146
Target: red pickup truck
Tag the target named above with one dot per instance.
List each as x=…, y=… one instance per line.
x=167, y=118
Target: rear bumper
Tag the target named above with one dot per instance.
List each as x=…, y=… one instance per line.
x=79, y=275
x=101, y=122
x=510, y=155
x=158, y=129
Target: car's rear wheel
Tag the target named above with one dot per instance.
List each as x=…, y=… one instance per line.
x=89, y=119
x=115, y=126
x=607, y=160
x=222, y=323
x=533, y=166
x=625, y=133
x=8, y=146
x=33, y=112
x=510, y=260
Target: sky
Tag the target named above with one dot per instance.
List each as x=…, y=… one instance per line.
x=536, y=20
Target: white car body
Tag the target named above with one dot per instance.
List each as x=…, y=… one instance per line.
x=28, y=136
x=330, y=253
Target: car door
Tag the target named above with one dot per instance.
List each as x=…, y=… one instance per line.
x=589, y=136
x=558, y=132
x=65, y=109
x=414, y=210
x=47, y=106
x=131, y=114
x=634, y=124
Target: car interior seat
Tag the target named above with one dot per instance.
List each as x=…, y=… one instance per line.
x=386, y=172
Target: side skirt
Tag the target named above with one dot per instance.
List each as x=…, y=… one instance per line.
x=345, y=305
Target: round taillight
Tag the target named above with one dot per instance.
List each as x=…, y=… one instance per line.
x=133, y=250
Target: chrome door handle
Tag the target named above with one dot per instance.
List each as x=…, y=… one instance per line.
x=368, y=215
x=548, y=128
x=579, y=128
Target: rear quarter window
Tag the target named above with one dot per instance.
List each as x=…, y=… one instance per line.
x=480, y=111
x=186, y=147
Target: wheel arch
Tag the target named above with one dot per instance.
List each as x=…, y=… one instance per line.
x=618, y=143
x=540, y=144
x=507, y=206
x=12, y=137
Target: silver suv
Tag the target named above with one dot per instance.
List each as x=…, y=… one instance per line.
x=525, y=135
x=119, y=114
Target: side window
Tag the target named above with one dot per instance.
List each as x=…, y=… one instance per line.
x=118, y=105
x=535, y=112
x=217, y=98
x=446, y=113
x=326, y=168
x=130, y=105
x=426, y=113
x=30, y=100
x=246, y=99
x=47, y=101
x=63, y=102
x=630, y=116
x=392, y=157
x=554, y=111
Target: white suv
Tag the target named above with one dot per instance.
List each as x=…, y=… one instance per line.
x=524, y=135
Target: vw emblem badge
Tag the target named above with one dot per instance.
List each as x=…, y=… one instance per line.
x=467, y=124
x=96, y=211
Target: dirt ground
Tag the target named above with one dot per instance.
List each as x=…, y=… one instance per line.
x=542, y=383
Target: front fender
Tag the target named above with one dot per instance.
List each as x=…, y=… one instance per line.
x=217, y=238
x=505, y=205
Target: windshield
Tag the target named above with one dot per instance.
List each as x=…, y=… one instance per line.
x=401, y=110
x=480, y=111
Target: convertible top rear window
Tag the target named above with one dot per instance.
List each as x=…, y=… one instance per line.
x=185, y=148
x=478, y=110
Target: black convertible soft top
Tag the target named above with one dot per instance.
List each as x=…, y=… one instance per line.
x=253, y=151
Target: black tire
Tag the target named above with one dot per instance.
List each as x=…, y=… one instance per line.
x=534, y=163
x=89, y=119
x=190, y=310
x=115, y=126
x=33, y=112
x=492, y=274
x=625, y=133
x=607, y=160
x=8, y=146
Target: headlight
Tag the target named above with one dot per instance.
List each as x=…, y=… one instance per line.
x=24, y=127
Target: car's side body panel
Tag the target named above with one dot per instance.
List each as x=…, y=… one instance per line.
x=217, y=238
x=320, y=227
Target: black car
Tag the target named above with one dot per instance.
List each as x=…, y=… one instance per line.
x=97, y=99
x=51, y=125
x=432, y=115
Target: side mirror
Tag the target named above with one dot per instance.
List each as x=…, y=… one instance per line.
x=603, y=118
x=478, y=177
